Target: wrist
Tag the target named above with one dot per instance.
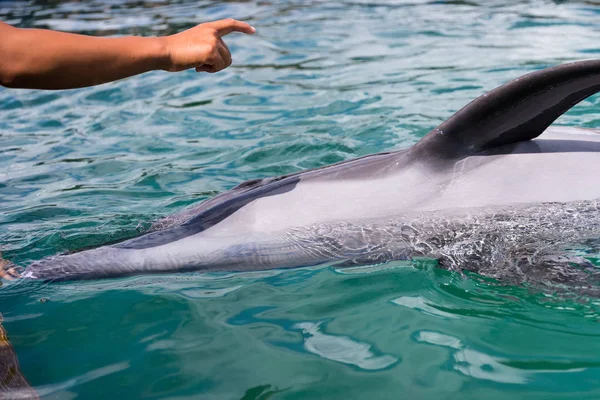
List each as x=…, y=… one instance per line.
x=159, y=53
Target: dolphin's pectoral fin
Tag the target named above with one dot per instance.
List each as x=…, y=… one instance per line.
x=8, y=270
x=518, y=111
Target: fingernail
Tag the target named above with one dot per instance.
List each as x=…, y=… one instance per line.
x=253, y=28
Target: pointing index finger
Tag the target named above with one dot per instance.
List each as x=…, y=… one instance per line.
x=226, y=26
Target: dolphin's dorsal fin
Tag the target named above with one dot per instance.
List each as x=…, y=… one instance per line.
x=516, y=111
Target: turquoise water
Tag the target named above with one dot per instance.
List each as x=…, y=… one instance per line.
x=320, y=82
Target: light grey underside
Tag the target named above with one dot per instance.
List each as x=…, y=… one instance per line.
x=529, y=199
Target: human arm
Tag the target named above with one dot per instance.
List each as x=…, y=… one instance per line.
x=44, y=59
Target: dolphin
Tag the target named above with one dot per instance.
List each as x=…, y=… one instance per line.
x=493, y=189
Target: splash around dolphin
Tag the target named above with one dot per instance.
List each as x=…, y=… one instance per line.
x=491, y=190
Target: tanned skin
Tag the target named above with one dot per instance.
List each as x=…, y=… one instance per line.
x=44, y=59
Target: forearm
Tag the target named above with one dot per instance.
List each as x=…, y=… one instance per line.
x=43, y=59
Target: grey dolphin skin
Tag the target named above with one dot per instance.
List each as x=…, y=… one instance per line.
x=493, y=190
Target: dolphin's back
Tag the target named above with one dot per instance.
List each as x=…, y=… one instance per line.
x=561, y=165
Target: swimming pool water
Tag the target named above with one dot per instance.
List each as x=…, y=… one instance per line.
x=318, y=83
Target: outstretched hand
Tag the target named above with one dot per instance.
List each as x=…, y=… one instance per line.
x=202, y=47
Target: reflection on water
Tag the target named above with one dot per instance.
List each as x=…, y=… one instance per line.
x=480, y=365
x=419, y=303
x=342, y=349
x=64, y=387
